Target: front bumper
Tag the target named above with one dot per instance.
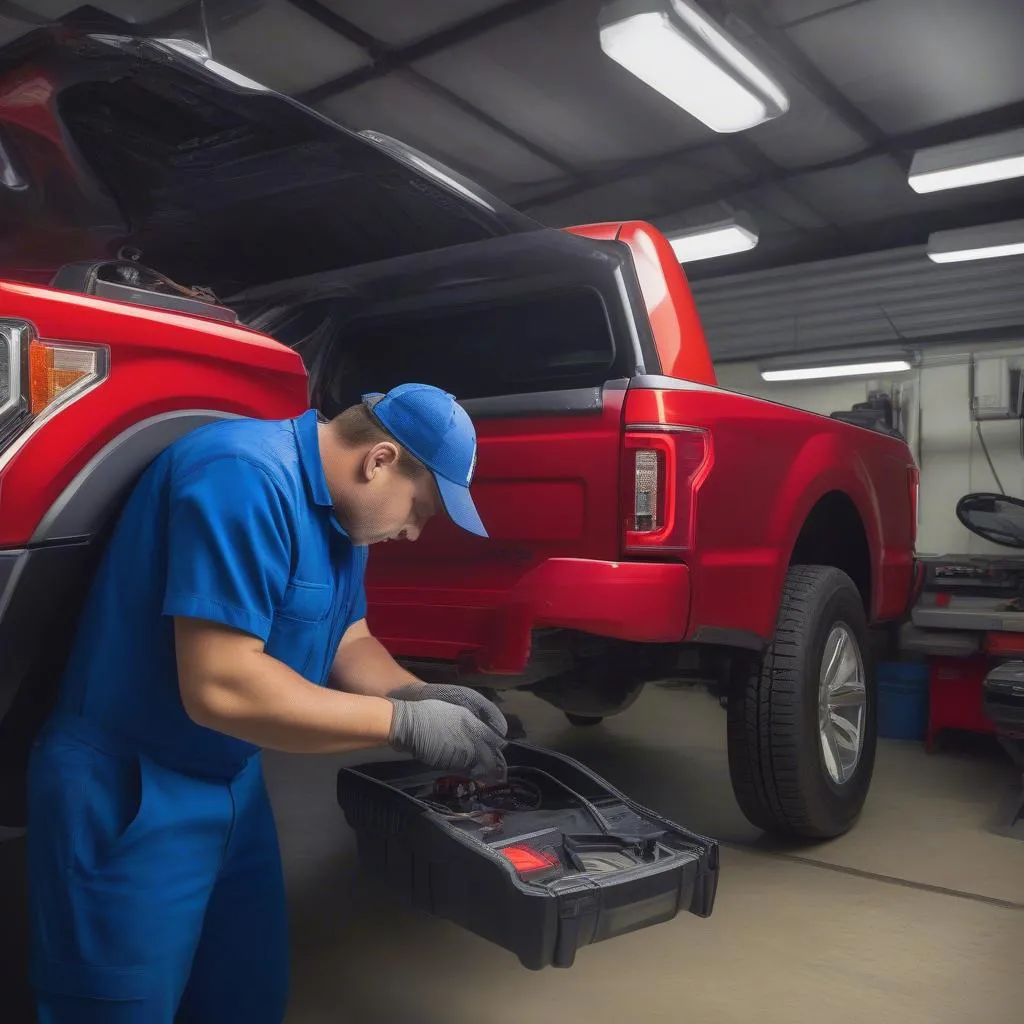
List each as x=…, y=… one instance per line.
x=642, y=602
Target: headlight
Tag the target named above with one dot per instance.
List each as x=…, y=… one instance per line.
x=37, y=378
x=6, y=384
x=13, y=351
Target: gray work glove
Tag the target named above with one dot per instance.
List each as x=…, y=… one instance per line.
x=446, y=736
x=462, y=696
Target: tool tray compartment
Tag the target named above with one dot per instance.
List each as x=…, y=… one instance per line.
x=552, y=860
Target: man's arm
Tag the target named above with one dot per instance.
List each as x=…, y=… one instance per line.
x=363, y=666
x=228, y=683
x=229, y=550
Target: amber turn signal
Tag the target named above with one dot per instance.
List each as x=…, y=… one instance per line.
x=55, y=371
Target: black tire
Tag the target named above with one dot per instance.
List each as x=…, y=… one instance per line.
x=776, y=762
x=584, y=720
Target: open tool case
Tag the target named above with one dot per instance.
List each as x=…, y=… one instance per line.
x=552, y=860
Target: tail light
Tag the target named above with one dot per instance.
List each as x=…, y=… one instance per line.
x=663, y=468
x=39, y=377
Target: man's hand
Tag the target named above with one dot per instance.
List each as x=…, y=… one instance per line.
x=446, y=736
x=461, y=696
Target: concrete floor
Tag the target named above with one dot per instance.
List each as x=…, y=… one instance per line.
x=916, y=916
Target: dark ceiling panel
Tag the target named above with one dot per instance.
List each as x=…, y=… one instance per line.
x=401, y=21
x=781, y=209
x=788, y=12
x=404, y=110
x=808, y=133
x=546, y=77
x=874, y=190
x=909, y=64
x=640, y=198
x=285, y=49
x=664, y=189
x=867, y=191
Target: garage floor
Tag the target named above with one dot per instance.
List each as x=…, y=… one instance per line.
x=916, y=916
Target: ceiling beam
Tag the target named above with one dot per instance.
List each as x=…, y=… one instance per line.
x=384, y=57
x=756, y=160
x=870, y=236
x=841, y=5
x=721, y=193
x=810, y=75
x=396, y=58
x=952, y=131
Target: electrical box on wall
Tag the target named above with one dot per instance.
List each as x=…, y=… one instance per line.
x=997, y=390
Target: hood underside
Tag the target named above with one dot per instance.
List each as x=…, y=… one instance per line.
x=110, y=142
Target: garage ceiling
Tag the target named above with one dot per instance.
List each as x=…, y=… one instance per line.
x=518, y=95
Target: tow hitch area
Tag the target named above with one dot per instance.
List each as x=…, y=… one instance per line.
x=549, y=860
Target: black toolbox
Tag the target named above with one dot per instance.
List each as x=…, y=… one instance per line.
x=1003, y=704
x=549, y=861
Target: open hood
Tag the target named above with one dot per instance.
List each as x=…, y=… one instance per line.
x=109, y=141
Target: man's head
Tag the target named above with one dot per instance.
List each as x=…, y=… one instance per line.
x=396, y=460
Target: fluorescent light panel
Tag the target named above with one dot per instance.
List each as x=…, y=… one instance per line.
x=988, y=241
x=721, y=239
x=847, y=370
x=971, y=162
x=678, y=51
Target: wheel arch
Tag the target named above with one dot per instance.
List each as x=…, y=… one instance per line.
x=834, y=534
x=831, y=475
x=85, y=506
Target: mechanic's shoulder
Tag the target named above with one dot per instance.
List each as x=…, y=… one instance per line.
x=250, y=443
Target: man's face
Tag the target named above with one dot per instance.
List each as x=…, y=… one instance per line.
x=391, y=504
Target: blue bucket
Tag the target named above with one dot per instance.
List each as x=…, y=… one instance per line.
x=902, y=700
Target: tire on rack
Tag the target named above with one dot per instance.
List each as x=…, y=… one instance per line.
x=803, y=723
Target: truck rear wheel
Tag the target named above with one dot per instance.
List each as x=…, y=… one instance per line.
x=802, y=724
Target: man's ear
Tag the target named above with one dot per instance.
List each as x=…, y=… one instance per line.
x=382, y=455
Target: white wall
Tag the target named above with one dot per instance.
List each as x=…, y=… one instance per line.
x=945, y=441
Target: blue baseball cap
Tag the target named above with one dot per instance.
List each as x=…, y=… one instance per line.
x=431, y=425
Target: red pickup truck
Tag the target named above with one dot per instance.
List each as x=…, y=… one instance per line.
x=179, y=245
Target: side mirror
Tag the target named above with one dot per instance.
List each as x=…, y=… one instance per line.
x=993, y=517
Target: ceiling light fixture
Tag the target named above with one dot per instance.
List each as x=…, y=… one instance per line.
x=842, y=370
x=985, y=242
x=724, y=238
x=971, y=162
x=674, y=47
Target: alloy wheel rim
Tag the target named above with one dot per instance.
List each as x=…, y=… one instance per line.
x=842, y=704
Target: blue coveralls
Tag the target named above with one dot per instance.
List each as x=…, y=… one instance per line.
x=155, y=879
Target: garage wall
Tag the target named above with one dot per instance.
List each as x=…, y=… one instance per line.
x=835, y=304
x=941, y=432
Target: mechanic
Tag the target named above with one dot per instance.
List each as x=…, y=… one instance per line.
x=228, y=615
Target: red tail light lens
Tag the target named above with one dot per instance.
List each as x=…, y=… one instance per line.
x=663, y=469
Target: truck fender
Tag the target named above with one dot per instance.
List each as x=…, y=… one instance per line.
x=83, y=507
x=823, y=465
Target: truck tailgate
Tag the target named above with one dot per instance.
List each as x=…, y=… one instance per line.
x=547, y=486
